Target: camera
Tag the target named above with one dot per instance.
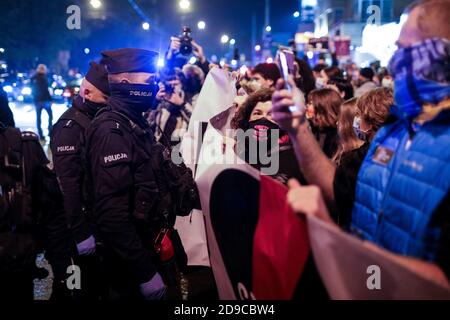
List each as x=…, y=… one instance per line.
x=186, y=41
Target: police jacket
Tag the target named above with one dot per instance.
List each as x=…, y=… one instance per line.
x=67, y=145
x=118, y=144
x=36, y=206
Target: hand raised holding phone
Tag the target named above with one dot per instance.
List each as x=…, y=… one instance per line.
x=288, y=105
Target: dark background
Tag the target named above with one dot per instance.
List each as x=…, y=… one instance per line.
x=33, y=31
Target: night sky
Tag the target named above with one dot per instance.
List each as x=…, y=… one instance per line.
x=35, y=29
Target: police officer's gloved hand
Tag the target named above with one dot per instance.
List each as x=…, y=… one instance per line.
x=153, y=289
x=86, y=247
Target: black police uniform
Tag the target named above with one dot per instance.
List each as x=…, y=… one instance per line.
x=67, y=145
x=37, y=202
x=124, y=185
x=119, y=144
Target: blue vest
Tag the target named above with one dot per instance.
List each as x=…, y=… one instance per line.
x=401, y=183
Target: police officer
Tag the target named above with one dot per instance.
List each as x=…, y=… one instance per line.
x=29, y=212
x=118, y=151
x=67, y=145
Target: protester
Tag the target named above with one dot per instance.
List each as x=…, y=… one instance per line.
x=177, y=98
x=265, y=75
x=365, y=81
x=42, y=98
x=305, y=79
x=255, y=114
x=331, y=73
x=402, y=193
x=348, y=140
x=317, y=72
x=325, y=103
x=175, y=59
x=386, y=79
x=338, y=177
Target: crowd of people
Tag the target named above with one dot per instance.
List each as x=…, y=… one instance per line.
x=366, y=149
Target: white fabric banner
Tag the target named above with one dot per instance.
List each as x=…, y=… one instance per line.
x=216, y=96
x=354, y=269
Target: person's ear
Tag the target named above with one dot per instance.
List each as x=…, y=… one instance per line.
x=87, y=94
x=342, y=94
x=269, y=82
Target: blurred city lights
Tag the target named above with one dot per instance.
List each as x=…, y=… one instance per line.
x=232, y=42
x=201, y=25
x=192, y=60
x=8, y=89
x=222, y=63
x=4, y=65
x=268, y=28
x=296, y=14
x=96, y=4
x=160, y=63
x=87, y=50
x=59, y=92
x=257, y=47
x=2, y=50
x=184, y=4
x=310, y=54
x=224, y=38
x=243, y=70
x=26, y=91
x=269, y=60
x=146, y=26
x=234, y=63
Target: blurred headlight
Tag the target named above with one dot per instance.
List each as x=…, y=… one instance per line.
x=26, y=91
x=8, y=89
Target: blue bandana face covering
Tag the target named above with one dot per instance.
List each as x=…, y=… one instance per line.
x=421, y=75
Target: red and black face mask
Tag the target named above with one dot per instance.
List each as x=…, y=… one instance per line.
x=266, y=129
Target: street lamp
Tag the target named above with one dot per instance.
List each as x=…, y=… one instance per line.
x=2, y=50
x=257, y=47
x=146, y=26
x=268, y=28
x=184, y=4
x=96, y=4
x=232, y=42
x=296, y=14
x=224, y=39
x=87, y=50
x=201, y=25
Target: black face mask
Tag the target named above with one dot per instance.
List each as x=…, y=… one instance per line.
x=264, y=134
x=264, y=128
x=140, y=97
x=192, y=85
x=93, y=107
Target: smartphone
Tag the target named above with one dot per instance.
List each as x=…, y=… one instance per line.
x=286, y=59
x=168, y=88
